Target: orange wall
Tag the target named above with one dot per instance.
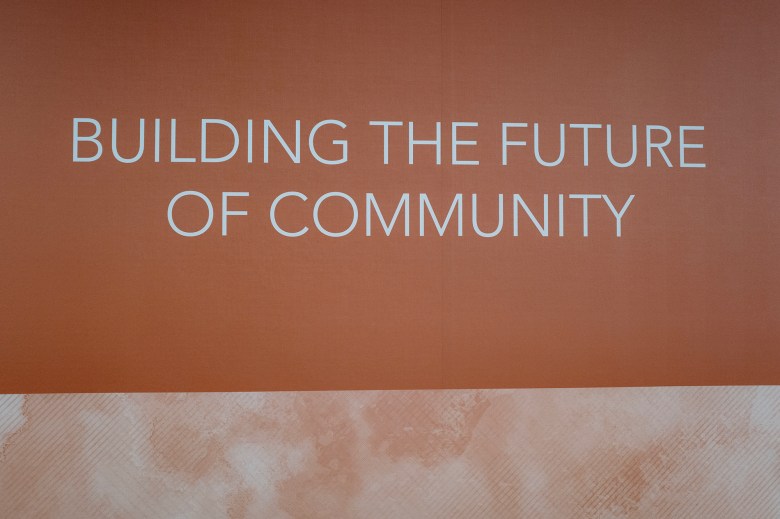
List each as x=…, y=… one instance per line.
x=98, y=294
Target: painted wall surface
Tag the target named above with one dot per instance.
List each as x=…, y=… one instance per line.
x=590, y=363
x=99, y=294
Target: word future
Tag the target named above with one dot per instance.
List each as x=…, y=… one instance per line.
x=655, y=141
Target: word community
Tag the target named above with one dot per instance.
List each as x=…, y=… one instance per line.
x=544, y=216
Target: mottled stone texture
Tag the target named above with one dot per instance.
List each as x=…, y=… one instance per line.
x=710, y=452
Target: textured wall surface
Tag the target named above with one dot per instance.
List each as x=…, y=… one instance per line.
x=711, y=452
